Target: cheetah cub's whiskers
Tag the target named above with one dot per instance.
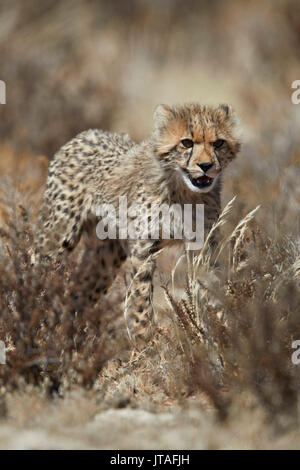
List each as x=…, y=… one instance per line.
x=180, y=163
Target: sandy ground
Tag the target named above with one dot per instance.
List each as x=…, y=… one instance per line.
x=140, y=429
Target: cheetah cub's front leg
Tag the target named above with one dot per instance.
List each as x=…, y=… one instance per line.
x=138, y=304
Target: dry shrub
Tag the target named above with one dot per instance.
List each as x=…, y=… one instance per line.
x=231, y=332
x=52, y=334
x=237, y=322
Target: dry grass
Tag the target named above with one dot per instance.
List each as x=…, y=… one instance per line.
x=218, y=373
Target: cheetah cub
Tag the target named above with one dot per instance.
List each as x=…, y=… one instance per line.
x=180, y=163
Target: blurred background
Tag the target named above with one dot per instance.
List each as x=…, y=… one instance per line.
x=77, y=64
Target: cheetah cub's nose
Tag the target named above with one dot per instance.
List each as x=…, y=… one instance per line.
x=205, y=166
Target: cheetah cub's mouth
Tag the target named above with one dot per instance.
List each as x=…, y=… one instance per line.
x=202, y=181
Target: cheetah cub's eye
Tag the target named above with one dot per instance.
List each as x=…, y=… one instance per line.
x=187, y=143
x=218, y=143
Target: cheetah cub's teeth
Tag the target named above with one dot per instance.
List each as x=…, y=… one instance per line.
x=202, y=181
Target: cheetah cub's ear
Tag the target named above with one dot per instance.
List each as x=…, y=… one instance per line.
x=226, y=110
x=227, y=120
x=161, y=116
x=168, y=128
x=225, y=113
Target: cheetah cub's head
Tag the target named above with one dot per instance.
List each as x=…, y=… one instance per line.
x=197, y=142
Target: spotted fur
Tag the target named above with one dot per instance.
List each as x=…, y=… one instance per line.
x=97, y=167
